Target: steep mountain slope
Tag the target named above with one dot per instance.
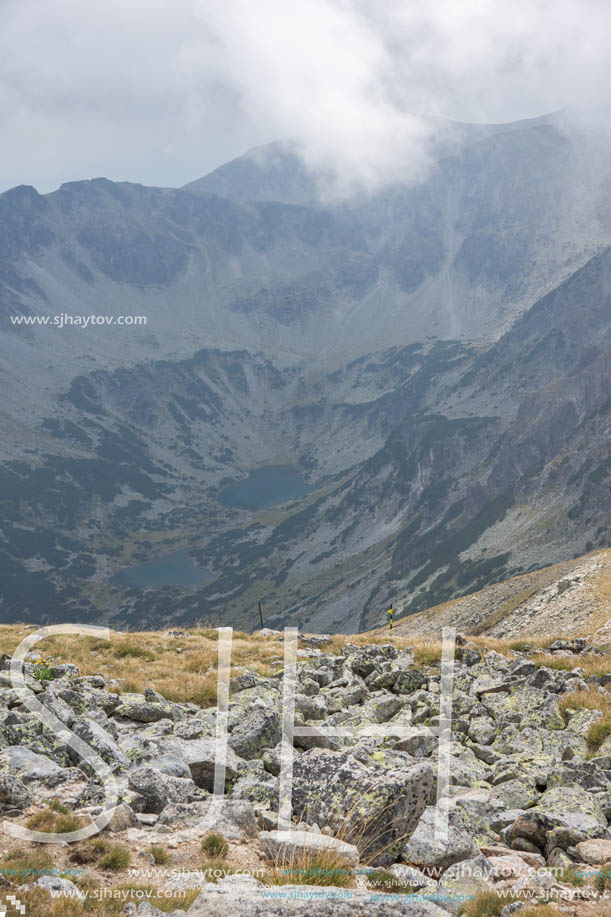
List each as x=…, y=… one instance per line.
x=487, y=495
x=357, y=341
x=572, y=598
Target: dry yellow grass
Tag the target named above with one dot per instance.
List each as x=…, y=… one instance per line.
x=592, y=665
x=304, y=867
x=184, y=668
x=181, y=668
x=591, y=700
x=39, y=903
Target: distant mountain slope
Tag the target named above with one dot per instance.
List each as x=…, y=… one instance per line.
x=503, y=470
x=437, y=469
x=450, y=433
x=270, y=173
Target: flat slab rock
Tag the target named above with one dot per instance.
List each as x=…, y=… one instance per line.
x=280, y=844
x=308, y=900
x=595, y=852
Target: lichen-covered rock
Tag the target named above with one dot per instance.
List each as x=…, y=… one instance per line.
x=526, y=707
x=159, y=789
x=517, y=793
x=408, y=681
x=594, y=852
x=257, y=730
x=244, y=681
x=29, y=766
x=574, y=808
x=200, y=756
x=236, y=820
x=462, y=880
x=419, y=742
x=370, y=807
x=100, y=741
x=13, y=793
x=310, y=707
x=423, y=848
x=256, y=785
x=479, y=813
x=482, y=730
x=381, y=707
x=144, y=711
x=367, y=659
x=341, y=698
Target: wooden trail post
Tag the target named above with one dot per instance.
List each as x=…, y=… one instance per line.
x=390, y=620
x=261, y=615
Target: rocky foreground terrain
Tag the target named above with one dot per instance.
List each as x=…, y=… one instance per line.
x=529, y=789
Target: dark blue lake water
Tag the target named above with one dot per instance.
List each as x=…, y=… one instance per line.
x=175, y=569
x=266, y=486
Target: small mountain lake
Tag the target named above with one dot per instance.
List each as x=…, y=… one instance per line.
x=174, y=569
x=266, y=486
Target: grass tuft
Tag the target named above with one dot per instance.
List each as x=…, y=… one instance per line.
x=304, y=867
x=160, y=855
x=116, y=858
x=488, y=904
x=214, y=846
x=57, y=820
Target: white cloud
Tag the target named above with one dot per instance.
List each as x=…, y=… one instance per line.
x=161, y=91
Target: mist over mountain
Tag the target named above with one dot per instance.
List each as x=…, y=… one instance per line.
x=432, y=359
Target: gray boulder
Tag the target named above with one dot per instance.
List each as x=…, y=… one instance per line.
x=308, y=900
x=159, y=789
x=377, y=810
x=199, y=756
x=29, y=766
x=257, y=730
x=282, y=846
x=462, y=880
x=144, y=711
x=13, y=793
x=423, y=848
x=575, y=808
x=100, y=741
x=57, y=886
x=236, y=820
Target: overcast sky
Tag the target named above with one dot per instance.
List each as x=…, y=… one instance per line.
x=163, y=91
